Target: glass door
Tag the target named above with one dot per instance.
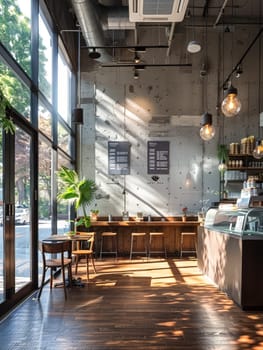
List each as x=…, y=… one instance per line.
x=17, y=241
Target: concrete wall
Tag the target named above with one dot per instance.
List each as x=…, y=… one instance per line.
x=119, y=108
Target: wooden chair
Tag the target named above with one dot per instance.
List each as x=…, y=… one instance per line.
x=87, y=252
x=48, y=250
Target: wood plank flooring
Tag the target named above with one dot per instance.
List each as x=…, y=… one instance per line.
x=143, y=304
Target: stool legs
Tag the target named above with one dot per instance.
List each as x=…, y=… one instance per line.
x=113, y=237
x=134, y=236
x=187, y=234
x=162, y=237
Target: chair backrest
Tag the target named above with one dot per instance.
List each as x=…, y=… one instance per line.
x=59, y=247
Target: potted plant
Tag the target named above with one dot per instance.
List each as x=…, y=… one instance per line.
x=80, y=192
x=184, y=210
x=94, y=213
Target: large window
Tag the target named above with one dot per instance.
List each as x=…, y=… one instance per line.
x=45, y=59
x=64, y=88
x=15, y=30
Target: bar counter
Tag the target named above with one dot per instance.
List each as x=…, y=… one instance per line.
x=171, y=227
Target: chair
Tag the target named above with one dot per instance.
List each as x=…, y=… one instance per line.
x=162, y=237
x=135, y=236
x=113, y=237
x=53, y=262
x=87, y=252
x=191, y=235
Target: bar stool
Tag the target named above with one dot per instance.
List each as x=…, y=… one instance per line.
x=110, y=236
x=162, y=237
x=191, y=235
x=134, y=236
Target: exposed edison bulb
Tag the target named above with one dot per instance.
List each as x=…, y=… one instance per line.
x=207, y=132
x=231, y=104
x=258, y=150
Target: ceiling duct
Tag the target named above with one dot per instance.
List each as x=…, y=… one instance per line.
x=157, y=10
x=88, y=17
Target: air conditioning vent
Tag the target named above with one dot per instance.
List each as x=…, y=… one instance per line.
x=157, y=10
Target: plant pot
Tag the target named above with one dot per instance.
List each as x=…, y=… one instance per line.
x=184, y=218
x=93, y=217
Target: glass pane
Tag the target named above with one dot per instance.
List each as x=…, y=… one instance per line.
x=15, y=92
x=44, y=120
x=22, y=209
x=63, y=139
x=64, y=89
x=15, y=34
x=2, y=281
x=63, y=208
x=44, y=185
x=45, y=60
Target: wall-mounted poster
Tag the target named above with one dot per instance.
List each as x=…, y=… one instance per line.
x=158, y=157
x=118, y=158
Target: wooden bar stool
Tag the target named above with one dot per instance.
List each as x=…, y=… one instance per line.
x=109, y=236
x=161, y=236
x=191, y=235
x=134, y=236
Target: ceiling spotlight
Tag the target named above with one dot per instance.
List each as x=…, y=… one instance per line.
x=94, y=54
x=207, y=131
x=231, y=104
x=136, y=75
x=193, y=46
x=137, y=58
x=239, y=71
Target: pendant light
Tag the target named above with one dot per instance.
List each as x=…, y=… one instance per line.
x=77, y=113
x=231, y=104
x=207, y=131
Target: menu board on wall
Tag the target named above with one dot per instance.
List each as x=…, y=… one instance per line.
x=158, y=157
x=118, y=158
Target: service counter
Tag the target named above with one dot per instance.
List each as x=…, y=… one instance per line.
x=229, y=252
x=171, y=229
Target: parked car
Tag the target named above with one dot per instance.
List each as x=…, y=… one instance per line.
x=21, y=215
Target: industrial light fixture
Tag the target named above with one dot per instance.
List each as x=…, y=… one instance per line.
x=137, y=58
x=77, y=113
x=231, y=104
x=239, y=71
x=136, y=75
x=193, y=46
x=94, y=54
x=207, y=131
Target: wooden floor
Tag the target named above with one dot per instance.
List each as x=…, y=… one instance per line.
x=138, y=304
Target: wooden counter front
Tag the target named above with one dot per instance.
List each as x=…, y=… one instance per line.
x=171, y=229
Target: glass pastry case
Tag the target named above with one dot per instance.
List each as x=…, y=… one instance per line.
x=242, y=222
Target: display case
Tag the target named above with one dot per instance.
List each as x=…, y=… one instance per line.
x=229, y=252
x=242, y=222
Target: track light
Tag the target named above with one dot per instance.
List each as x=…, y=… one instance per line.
x=231, y=104
x=136, y=75
x=258, y=150
x=137, y=58
x=207, y=131
x=94, y=54
x=239, y=71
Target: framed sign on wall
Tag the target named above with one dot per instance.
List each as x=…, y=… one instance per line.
x=158, y=157
x=118, y=158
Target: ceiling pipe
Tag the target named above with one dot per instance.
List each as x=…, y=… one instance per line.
x=170, y=38
x=221, y=11
x=87, y=16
